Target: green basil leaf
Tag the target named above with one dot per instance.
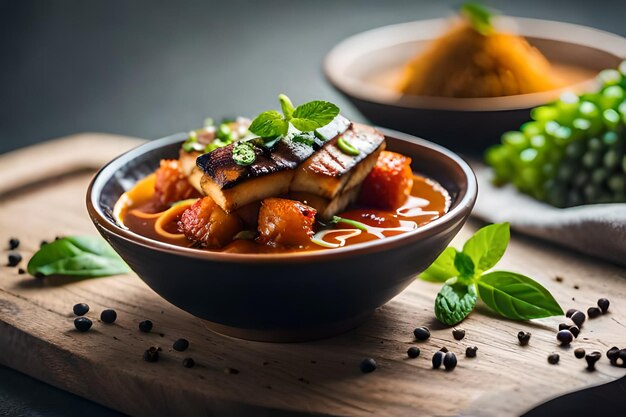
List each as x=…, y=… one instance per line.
x=78, y=256
x=479, y=17
x=313, y=115
x=269, y=124
x=454, y=303
x=516, y=296
x=286, y=106
x=464, y=264
x=487, y=246
x=442, y=269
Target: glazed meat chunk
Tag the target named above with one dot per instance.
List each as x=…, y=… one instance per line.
x=285, y=222
x=389, y=184
x=171, y=184
x=206, y=224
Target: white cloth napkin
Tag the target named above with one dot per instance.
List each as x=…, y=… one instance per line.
x=598, y=229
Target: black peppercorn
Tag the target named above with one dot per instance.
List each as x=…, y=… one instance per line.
x=578, y=318
x=21, y=271
x=145, y=326
x=579, y=353
x=591, y=359
x=553, y=358
x=151, y=355
x=569, y=312
x=565, y=337
x=603, y=303
x=14, y=258
x=470, y=351
x=413, y=352
x=564, y=326
x=438, y=359
x=443, y=349
x=368, y=365
x=421, y=333
x=523, y=337
x=593, y=312
x=575, y=330
x=82, y=324
x=14, y=243
x=612, y=353
x=80, y=309
x=108, y=316
x=188, y=363
x=458, y=334
x=449, y=361
x=181, y=345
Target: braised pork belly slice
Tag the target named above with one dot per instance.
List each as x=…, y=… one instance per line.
x=326, y=208
x=330, y=171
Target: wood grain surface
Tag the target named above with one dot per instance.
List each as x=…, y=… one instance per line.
x=44, y=199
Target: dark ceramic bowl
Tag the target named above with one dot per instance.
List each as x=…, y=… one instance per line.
x=282, y=297
x=362, y=66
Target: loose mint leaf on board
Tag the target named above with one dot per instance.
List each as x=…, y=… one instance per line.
x=454, y=302
x=442, y=269
x=464, y=264
x=487, y=246
x=516, y=296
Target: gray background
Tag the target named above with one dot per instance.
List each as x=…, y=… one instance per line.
x=150, y=68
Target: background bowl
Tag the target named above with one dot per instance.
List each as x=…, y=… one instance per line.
x=362, y=66
x=282, y=297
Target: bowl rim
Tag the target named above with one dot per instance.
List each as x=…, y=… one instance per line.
x=460, y=210
x=384, y=37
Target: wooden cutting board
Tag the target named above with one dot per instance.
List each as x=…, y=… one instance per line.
x=42, y=195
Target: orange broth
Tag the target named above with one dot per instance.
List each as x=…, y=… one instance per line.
x=138, y=211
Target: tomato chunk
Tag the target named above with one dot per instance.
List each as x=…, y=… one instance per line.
x=206, y=224
x=285, y=222
x=389, y=183
x=171, y=184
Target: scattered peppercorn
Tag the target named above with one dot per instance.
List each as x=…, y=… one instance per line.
x=569, y=312
x=591, y=359
x=181, y=345
x=108, y=316
x=579, y=353
x=578, y=318
x=14, y=243
x=449, y=361
x=593, y=312
x=603, y=303
x=151, y=355
x=188, y=363
x=14, y=258
x=458, y=334
x=21, y=271
x=81, y=309
x=368, y=365
x=523, y=337
x=145, y=326
x=565, y=337
x=620, y=360
x=576, y=287
x=82, y=324
x=438, y=359
x=443, y=349
x=564, y=326
x=421, y=333
x=559, y=279
x=413, y=352
x=612, y=353
x=232, y=371
x=553, y=358
x=470, y=351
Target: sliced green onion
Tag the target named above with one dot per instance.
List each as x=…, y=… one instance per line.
x=346, y=147
x=358, y=225
x=243, y=154
x=245, y=235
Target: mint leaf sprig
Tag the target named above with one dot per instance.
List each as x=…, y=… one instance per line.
x=465, y=277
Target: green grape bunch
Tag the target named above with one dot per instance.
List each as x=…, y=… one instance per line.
x=572, y=152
